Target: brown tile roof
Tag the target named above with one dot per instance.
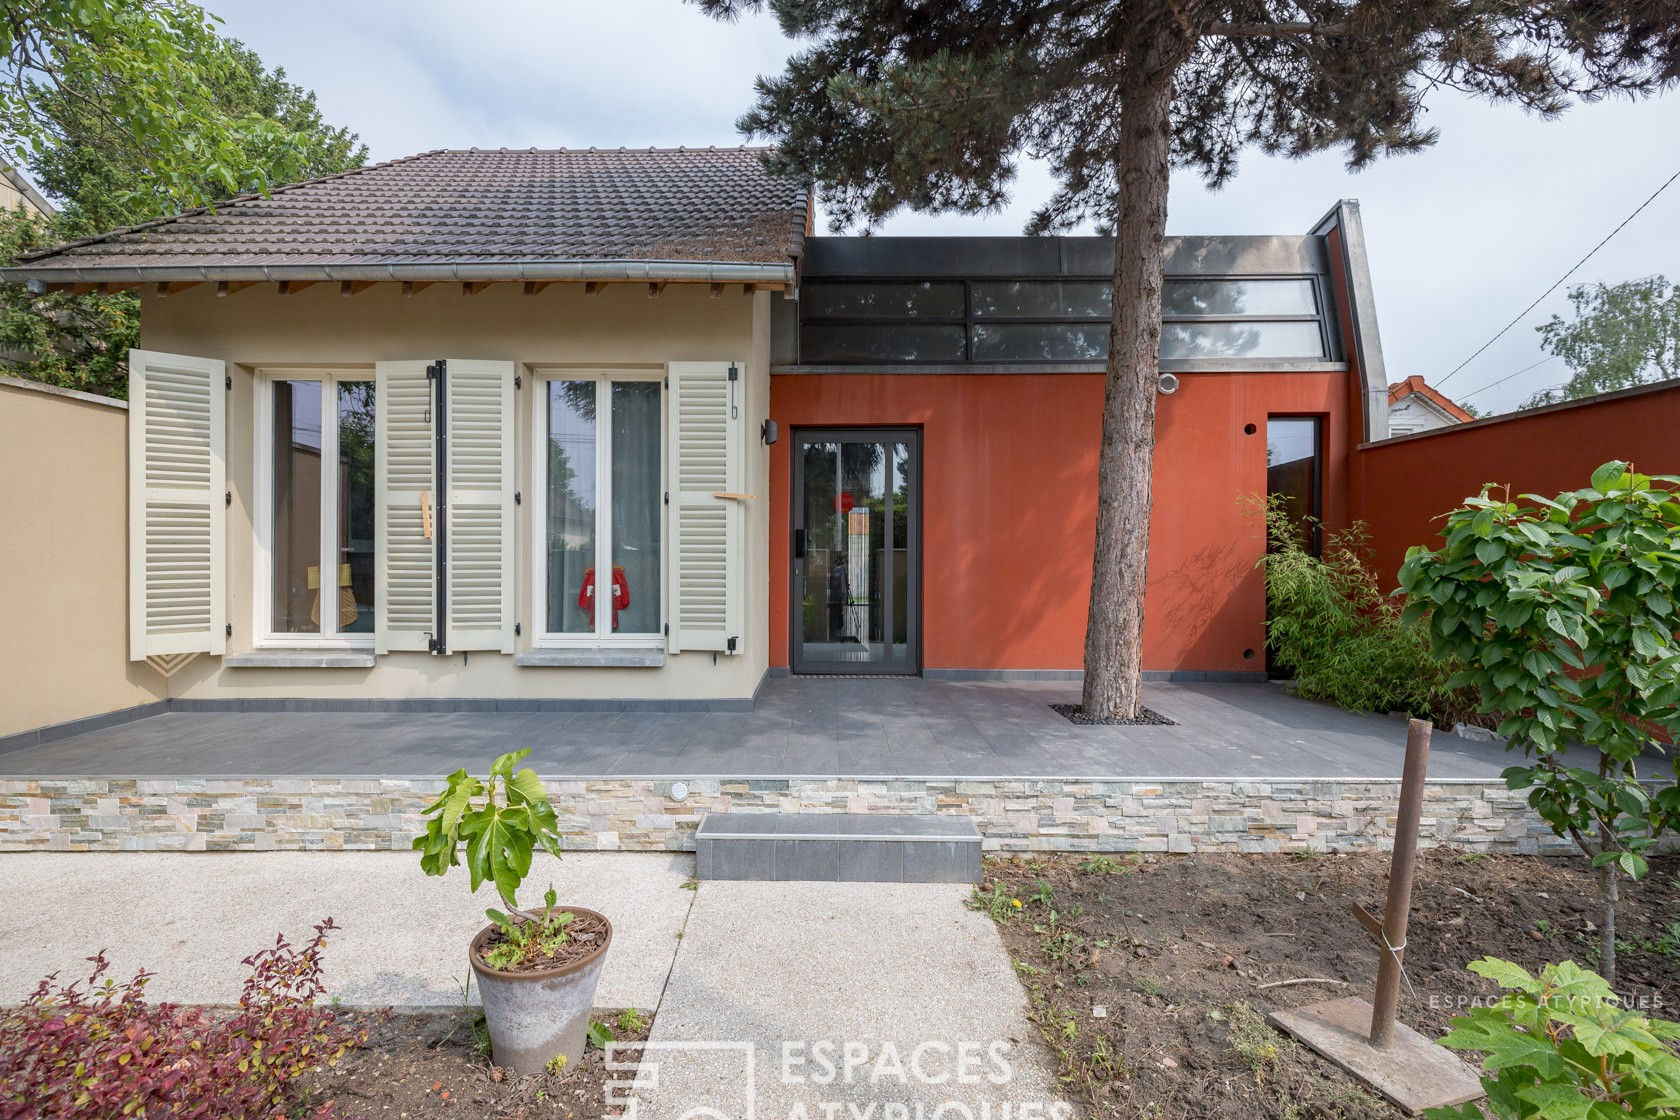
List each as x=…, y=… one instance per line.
x=556, y=214
x=1400, y=390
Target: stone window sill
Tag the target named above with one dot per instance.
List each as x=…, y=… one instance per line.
x=300, y=659
x=600, y=657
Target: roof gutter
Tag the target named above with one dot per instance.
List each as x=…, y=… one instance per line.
x=716, y=272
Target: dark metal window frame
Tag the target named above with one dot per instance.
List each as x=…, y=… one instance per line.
x=799, y=437
x=1319, y=422
x=1326, y=336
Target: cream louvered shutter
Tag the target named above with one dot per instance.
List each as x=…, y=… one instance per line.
x=707, y=418
x=405, y=497
x=177, y=472
x=478, y=554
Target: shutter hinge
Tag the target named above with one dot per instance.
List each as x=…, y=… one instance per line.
x=227, y=498
x=518, y=498
x=227, y=381
x=667, y=497
x=229, y=630
x=667, y=381
x=518, y=381
x=667, y=629
x=730, y=644
x=734, y=372
x=518, y=629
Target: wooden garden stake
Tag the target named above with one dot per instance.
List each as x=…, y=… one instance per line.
x=1391, y=936
x=1363, y=1038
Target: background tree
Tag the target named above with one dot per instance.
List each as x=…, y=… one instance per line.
x=901, y=103
x=1562, y=613
x=275, y=128
x=72, y=341
x=146, y=84
x=1621, y=335
x=82, y=110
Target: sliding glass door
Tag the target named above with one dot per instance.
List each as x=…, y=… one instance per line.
x=856, y=580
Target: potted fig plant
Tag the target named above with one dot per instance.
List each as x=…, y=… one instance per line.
x=536, y=969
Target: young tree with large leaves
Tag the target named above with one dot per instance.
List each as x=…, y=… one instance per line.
x=909, y=103
x=1564, y=616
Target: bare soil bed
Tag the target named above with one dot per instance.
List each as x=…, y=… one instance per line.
x=1145, y=974
x=432, y=1065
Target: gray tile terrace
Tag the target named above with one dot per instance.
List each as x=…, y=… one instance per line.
x=800, y=727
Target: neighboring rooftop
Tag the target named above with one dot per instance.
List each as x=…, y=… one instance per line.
x=1419, y=391
x=682, y=213
x=15, y=188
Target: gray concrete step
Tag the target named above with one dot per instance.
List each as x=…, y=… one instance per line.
x=838, y=847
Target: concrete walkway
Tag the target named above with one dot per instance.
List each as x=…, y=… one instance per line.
x=829, y=994
x=797, y=1001
x=191, y=918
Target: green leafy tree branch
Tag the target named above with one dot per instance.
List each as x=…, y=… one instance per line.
x=1561, y=1046
x=127, y=110
x=1620, y=336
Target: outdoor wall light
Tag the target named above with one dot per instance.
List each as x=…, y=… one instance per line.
x=769, y=432
x=679, y=791
x=1167, y=383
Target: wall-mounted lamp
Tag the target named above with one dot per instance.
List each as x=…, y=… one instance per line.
x=769, y=432
x=1167, y=384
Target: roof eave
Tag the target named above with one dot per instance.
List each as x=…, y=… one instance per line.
x=717, y=272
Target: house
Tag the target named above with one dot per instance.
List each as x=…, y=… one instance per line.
x=597, y=428
x=16, y=190
x=1416, y=406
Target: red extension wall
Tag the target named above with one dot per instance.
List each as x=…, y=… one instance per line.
x=1400, y=488
x=1009, y=506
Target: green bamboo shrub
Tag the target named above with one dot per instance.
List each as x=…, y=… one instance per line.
x=1345, y=642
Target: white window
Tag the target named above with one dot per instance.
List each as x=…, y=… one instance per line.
x=599, y=508
x=314, y=508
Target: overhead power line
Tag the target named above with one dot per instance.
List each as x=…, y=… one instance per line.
x=1507, y=377
x=1572, y=269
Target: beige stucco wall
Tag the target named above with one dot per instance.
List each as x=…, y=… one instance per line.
x=619, y=327
x=64, y=560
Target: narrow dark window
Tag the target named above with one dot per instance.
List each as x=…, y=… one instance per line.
x=1295, y=474
x=1295, y=478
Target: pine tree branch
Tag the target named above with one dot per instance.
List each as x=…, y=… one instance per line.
x=1276, y=30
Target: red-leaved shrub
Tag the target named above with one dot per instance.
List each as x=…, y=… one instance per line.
x=99, y=1050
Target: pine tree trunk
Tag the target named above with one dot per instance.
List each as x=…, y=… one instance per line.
x=1114, y=626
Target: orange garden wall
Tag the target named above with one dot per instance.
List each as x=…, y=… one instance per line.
x=1009, y=507
x=1401, y=487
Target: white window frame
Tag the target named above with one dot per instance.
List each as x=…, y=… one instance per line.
x=541, y=638
x=263, y=510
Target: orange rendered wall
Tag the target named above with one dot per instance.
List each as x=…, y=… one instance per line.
x=1400, y=487
x=1009, y=502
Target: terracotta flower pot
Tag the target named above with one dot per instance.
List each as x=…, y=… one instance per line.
x=536, y=1015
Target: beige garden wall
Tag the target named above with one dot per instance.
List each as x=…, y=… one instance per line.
x=619, y=327
x=64, y=559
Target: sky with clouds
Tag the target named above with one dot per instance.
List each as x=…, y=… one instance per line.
x=1461, y=237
